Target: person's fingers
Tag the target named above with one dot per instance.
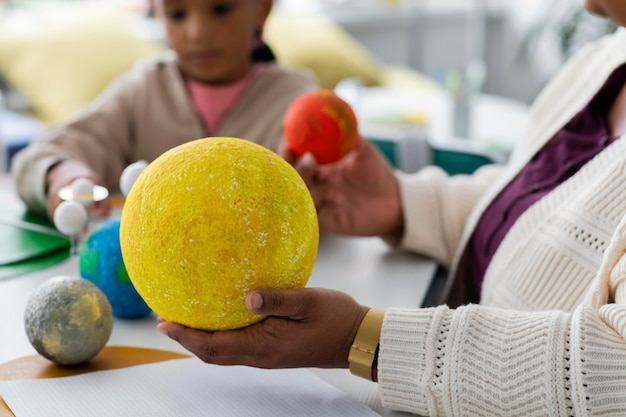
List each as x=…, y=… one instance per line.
x=188, y=337
x=195, y=341
x=53, y=201
x=296, y=320
x=314, y=177
x=287, y=153
x=335, y=220
x=294, y=304
x=97, y=208
x=222, y=348
x=100, y=208
x=306, y=167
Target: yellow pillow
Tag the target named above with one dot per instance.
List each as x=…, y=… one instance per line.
x=399, y=76
x=317, y=43
x=61, y=66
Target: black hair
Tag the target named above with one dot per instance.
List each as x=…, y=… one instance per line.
x=263, y=53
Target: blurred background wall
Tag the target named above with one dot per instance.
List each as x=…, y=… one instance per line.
x=516, y=44
x=435, y=69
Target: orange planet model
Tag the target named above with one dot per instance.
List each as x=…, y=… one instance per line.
x=323, y=124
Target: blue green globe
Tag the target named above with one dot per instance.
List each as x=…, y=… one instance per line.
x=101, y=263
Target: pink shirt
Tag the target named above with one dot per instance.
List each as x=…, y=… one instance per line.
x=213, y=102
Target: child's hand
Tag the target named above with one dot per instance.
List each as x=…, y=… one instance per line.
x=63, y=175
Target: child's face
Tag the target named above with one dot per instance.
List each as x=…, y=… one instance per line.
x=213, y=39
x=613, y=9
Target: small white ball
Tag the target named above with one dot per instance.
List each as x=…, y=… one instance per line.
x=82, y=189
x=70, y=217
x=130, y=175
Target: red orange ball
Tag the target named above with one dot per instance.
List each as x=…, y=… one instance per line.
x=323, y=124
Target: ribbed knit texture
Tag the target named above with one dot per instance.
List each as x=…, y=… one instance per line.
x=549, y=336
x=477, y=361
x=552, y=266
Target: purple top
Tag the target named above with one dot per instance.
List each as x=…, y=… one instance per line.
x=585, y=136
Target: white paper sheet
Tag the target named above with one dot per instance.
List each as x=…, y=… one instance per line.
x=181, y=387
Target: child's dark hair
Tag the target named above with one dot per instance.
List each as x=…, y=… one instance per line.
x=262, y=52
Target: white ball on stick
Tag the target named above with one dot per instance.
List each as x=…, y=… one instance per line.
x=70, y=217
x=130, y=175
x=82, y=189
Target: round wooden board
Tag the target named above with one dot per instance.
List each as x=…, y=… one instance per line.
x=111, y=357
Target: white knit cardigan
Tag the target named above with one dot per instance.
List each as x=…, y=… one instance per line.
x=549, y=337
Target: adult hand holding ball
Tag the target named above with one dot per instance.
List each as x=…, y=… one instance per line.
x=323, y=124
x=211, y=220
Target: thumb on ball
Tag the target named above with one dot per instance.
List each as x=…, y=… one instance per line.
x=286, y=303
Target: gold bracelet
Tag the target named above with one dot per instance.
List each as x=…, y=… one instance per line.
x=364, y=349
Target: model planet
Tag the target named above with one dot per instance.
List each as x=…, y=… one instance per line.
x=68, y=320
x=323, y=124
x=211, y=220
x=101, y=263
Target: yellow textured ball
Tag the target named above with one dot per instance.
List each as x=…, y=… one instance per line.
x=211, y=220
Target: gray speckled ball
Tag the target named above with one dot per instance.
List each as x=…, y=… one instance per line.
x=68, y=320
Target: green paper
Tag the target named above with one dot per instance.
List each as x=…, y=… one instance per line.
x=28, y=243
x=32, y=265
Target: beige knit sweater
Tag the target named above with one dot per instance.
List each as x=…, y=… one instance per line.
x=548, y=338
x=148, y=111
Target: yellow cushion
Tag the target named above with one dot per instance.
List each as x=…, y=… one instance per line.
x=399, y=76
x=317, y=43
x=62, y=65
